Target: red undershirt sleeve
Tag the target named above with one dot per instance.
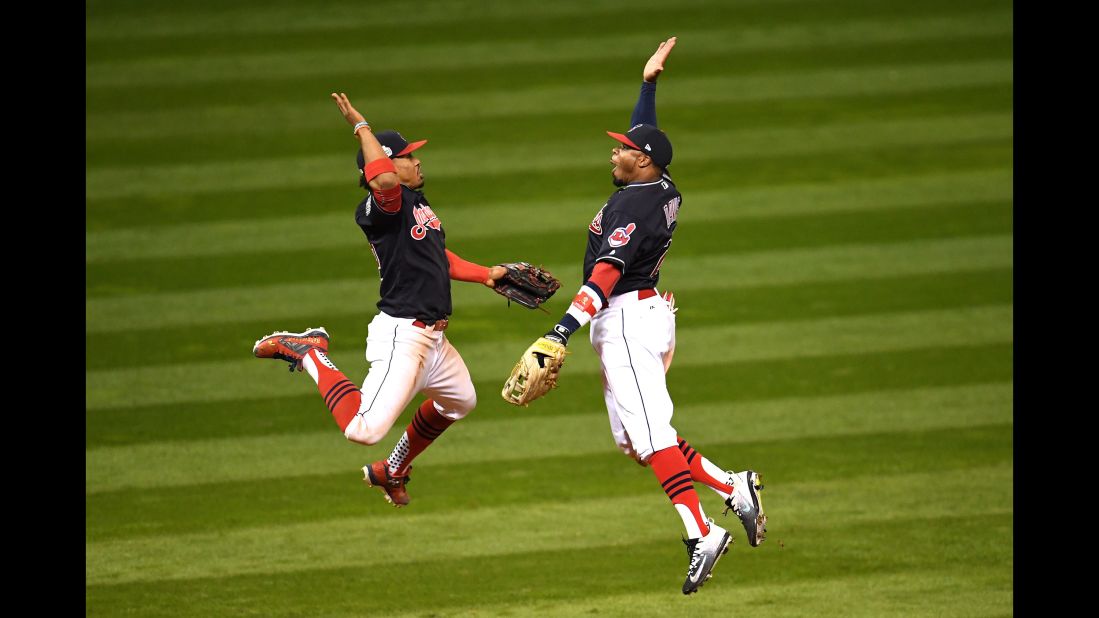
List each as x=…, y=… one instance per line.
x=461, y=270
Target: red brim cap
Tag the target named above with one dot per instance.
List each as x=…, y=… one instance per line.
x=625, y=140
x=409, y=148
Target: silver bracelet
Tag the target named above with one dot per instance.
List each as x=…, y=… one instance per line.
x=359, y=125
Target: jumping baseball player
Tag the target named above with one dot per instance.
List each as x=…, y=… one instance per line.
x=406, y=346
x=633, y=332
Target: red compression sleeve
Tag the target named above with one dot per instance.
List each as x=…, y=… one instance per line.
x=388, y=200
x=461, y=270
x=605, y=275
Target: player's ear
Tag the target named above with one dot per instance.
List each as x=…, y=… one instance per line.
x=644, y=160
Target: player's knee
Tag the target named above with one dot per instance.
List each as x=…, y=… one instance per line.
x=458, y=408
x=361, y=433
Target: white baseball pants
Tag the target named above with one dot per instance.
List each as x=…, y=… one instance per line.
x=406, y=360
x=633, y=339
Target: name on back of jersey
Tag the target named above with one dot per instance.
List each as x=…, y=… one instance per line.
x=671, y=210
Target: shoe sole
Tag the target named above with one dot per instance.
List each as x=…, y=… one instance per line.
x=728, y=541
x=319, y=329
x=755, y=486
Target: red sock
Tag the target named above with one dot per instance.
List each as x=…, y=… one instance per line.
x=427, y=425
x=698, y=471
x=675, y=477
x=342, y=396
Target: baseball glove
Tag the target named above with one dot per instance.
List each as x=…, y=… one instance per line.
x=535, y=373
x=525, y=284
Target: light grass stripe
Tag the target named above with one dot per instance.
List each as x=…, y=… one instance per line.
x=262, y=18
x=539, y=101
x=249, y=174
x=359, y=296
x=171, y=464
x=198, y=70
x=462, y=223
x=914, y=592
x=803, y=509
x=696, y=346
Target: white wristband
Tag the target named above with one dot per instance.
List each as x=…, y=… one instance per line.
x=359, y=125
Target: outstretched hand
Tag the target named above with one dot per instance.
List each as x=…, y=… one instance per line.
x=494, y=273
x=349, y=112
x=655, y=65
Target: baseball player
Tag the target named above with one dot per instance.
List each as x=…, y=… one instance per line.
x=633, y=332
x=406, y=345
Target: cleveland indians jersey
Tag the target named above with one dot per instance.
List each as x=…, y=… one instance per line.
x=409, y=246
x=634, y=231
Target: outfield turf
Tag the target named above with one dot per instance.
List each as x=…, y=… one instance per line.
x=843, y=267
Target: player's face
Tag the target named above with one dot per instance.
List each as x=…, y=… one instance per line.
x=624, y=159
x=408, y=171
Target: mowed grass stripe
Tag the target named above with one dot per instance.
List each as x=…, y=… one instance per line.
x=540, y=101
x=764, y=303
x=245, y=174
x=114, y=24
x=458, y=486
x=241, y=458
x=946, y=590
x=327, y=57
x=114, y=388
x=330, y=230
x=802, y=509
x=921, y=564
x=725, y=384
x=357, y=297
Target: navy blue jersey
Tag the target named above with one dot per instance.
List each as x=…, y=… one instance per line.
x=634, y=231
x=410, y=248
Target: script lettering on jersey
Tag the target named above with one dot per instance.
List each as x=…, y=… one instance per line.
x=671, y=210
x=596, y=224
x=621, y=235
x=425, y=218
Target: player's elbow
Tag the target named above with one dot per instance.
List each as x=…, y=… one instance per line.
x=384, y=181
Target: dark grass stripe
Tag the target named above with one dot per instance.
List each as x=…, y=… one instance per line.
x=741, y=235
x=308, y=90
x=457, y=487
x=968, y=544
x=124, y=150
x=590, y=179
x=225, y=341
x=720, y=382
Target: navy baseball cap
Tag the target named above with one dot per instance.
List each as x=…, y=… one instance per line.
x=649, y=140
x=394, y=144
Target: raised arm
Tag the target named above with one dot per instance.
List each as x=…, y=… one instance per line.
x=379, y=170
x=645, y=110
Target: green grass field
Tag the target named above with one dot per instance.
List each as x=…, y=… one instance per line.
x=843, y=264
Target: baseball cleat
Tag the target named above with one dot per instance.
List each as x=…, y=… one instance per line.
x=291, y=347
x=745, y=502
x=377, y=475
x=704, y=554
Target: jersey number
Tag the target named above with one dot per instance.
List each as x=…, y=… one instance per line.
x=656, y=270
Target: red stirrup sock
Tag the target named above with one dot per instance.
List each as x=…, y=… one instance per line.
x=426, y=426
x=675, y=477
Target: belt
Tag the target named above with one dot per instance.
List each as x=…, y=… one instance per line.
x=439, y=326
x=643, y=294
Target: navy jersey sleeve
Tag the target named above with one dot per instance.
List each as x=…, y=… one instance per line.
x=644, y=112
